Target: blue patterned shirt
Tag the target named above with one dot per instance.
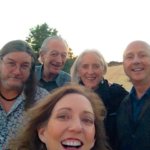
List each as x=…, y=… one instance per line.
x=61, y=79
x=11, y=121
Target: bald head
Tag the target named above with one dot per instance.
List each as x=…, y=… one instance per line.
x=136, y=46
x=136, y=62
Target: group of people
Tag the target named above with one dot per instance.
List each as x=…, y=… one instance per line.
x=44, y=108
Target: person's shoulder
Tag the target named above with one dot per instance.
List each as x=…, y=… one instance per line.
x=63, y=78
x=114, y=86
x=117, y=86
x=124, y=103
x=42, y=90
x=38, y=67
x=40, y=93
x=38, y=72
x=63, y=74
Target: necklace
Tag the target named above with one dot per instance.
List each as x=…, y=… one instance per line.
x=7, y=99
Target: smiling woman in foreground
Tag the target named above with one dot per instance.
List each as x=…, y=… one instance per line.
x=69, y=118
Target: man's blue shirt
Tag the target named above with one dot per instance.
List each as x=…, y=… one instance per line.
x=61, y=79
x=137, y=103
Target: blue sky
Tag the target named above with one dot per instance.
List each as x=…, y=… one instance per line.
x=107, y=25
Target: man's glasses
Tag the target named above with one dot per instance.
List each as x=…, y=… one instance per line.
x=11, y=64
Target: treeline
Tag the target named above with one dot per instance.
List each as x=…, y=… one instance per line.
x=114, y=63
x=36, y=37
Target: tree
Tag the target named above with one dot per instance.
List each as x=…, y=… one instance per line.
x=38, y=34
x=36, y=37
x=70, y=54
x=68, y=64
x=70, y=61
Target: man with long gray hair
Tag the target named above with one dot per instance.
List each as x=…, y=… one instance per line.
x=18, y=89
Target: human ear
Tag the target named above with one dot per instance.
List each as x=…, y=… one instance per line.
x=41, y=133
x=92, y=144
x=41, y=57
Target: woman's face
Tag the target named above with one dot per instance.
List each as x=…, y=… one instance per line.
x=71, y=125
x=90, y=70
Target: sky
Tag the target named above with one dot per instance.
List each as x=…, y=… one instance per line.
x=106, y=25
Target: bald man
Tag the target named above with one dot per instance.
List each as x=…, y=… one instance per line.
x=133, y=120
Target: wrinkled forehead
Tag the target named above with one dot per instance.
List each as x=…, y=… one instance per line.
x=57, y=44
x=136, y=47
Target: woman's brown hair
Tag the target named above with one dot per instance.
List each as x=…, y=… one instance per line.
x=41, y=112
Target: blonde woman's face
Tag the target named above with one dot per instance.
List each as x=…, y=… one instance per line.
x=90, y=70
x=71, y=125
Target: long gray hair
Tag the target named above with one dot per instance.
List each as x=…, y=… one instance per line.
x=30, y=85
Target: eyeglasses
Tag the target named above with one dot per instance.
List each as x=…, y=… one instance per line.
x=11, y=64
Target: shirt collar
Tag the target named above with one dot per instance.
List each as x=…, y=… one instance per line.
x=133, y=93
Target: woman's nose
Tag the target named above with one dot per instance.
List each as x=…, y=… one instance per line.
x=75, y=125
x=90, y=70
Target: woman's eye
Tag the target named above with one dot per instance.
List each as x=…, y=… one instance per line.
x=85, y=66
x=63, y=117
x=96, y=66
x=88, y=121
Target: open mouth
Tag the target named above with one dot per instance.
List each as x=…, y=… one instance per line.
x=137, y=69
x=71, y=144
x=56, y=65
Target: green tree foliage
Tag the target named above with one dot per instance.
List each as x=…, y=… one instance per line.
x=68, y=64
x=70, y=54
x=38, y=34
x=70, y=61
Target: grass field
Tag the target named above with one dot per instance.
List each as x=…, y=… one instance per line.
x=116, y=74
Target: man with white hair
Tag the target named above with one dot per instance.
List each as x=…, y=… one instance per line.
x=53, y=55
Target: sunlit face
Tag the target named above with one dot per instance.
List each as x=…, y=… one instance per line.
x=137, y=62
x=90, y=70
x=54, y=59
x=15, y=69
x=71, y=125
